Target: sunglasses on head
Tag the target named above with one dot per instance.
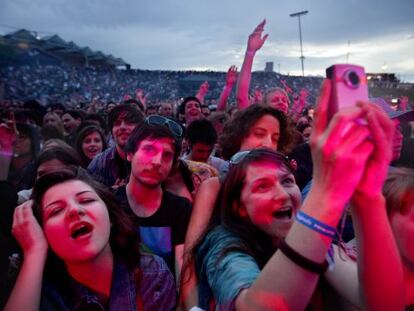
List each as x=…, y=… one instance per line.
x=241, y=155
x=173, y=126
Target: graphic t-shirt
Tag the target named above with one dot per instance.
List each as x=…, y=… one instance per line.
x=166, y=228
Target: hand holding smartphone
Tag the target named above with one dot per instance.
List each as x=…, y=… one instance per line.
x=349, y=85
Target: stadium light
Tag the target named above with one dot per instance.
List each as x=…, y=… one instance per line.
x=298, y=15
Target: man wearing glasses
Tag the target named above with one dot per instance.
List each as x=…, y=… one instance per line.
x=161, y=216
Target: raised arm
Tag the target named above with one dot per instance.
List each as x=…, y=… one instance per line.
x=27, y=290
x=298, y=104
x=200, y=217
x=254, y=43
x=379, y=264
x=363, y=283
x=231, y=78
x=284, y=284
x=202, y=91
x=141, y=97
x=8, y=134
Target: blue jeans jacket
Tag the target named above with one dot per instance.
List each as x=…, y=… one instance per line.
x=157, y=290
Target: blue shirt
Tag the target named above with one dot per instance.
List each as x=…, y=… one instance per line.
x=223, y=277
x=157, y=290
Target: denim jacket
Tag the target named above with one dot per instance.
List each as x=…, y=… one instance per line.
x=157, y=290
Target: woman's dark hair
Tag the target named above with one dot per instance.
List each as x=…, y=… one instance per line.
x=95, y=117
x=81, y=136
x=33, y=135
x=303, y=126
x=51, y=131
x=252, y=240
x=237, y=129
x=64, y=153
x=124, y=240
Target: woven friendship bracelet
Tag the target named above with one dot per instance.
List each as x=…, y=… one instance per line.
x=315, y=225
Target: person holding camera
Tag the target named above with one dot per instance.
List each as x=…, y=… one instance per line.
x=264, y=251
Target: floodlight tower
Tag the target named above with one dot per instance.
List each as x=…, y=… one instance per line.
x=298, y=14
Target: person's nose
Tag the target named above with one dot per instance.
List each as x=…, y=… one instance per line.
x=280, y=194
x=267, y=142
x=75, y=210
x=123, y=124
x=157, y=159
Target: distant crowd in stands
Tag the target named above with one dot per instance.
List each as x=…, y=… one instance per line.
x=140, y=200
x=78, y=86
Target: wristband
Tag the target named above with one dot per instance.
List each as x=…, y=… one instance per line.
x=301, y=261
x=315, y=225
x=6, y=153
x=250, y=53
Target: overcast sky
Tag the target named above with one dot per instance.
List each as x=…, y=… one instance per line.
x=212, y=34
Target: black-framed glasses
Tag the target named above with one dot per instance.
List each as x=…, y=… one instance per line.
x=173, y=126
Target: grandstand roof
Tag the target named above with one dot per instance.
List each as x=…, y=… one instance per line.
x=68, y=51
x=21, y=35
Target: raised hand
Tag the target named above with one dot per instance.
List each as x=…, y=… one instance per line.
x=340, y=149
x=127, y=97
x=8, y=135
x=202, y=91
x=203, y=88
x=258, y=96
x=27, y=230
x=404, y=103
x=304, y=93
x=139, y=95
x=287, y=88
x=256, y=41
x=231, y=76
x=382, y=131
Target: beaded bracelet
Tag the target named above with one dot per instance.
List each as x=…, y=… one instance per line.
x=301, y=261
x=315, y=225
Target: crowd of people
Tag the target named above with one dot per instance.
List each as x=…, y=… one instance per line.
x=137, y=202
x=76, y=86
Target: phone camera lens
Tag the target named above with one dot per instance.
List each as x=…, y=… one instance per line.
x=352, y=79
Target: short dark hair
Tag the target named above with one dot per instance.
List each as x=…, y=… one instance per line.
x=239, y=127
x=135, y=103
x=151, y=131
x=65, y=154
x=201, y=131
x=99, y=118
x=127, y=112
x=34, y=136
x=181, y=108
x=76, y=114
x=56, y=106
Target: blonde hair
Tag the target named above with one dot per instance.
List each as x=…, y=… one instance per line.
x=398, y=190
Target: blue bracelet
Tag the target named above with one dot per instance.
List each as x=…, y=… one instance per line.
x=315, y=225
